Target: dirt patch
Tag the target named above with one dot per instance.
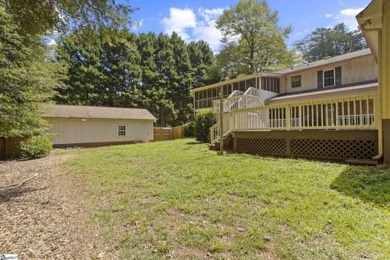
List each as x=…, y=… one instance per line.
x=46, y=217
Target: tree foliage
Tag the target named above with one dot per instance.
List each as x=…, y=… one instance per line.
x=45, y=16
x=203, y=121
x=254, y=40
x=28, y=72
x=36, y=147
x=202, y=59
x=103, y=67
x=324, y=42
x=26, y=79
x=113, y=67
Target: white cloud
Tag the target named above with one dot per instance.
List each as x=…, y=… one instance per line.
x=179, y=21
x=193, y=26
x=347, y=16
x=51, y=42
x=136, y=25
x=206, y=29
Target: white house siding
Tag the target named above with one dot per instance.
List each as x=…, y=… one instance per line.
x=82, y=131
x=357, y=70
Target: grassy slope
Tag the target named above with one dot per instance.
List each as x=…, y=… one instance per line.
x=178, y=198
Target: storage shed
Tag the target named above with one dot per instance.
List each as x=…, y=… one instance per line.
x=98, y=126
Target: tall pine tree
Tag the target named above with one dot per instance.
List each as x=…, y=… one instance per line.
x=182, y=81
x=202, y=58
x=103, y=67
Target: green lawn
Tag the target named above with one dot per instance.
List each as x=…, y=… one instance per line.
x=181, y=200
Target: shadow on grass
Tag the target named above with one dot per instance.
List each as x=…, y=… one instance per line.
x=368, y=184
x=193, y=143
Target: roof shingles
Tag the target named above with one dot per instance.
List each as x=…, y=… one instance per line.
x=69, y=111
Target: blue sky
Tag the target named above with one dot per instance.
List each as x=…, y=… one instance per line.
x=195, y=19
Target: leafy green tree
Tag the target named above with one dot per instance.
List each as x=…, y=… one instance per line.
x=46, y=16
x=253, y=38
x=103, y=67
x=26, y=80
x=324, y=42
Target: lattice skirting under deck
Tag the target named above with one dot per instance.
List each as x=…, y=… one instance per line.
x=334, y=145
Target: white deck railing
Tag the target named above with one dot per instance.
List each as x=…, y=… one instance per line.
x=215, y=130
x=238, y=100
x=347, y=113
x=253, y=92
x=343, y=113
x=236, y=93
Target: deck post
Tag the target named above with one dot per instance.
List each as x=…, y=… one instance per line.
x=221, y=112
x=288, y=116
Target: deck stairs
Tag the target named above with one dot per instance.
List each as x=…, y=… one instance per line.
x=236, y=100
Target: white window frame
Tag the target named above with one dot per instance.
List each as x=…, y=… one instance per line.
x=121, y=130
x=334, y=78
x=300, y=81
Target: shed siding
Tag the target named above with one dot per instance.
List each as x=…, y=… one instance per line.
x=75, y=130
x=358, y=70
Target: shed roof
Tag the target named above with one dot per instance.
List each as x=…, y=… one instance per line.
x=69, y=111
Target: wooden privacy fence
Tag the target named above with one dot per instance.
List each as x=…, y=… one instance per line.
x=168, y=133
x=10, y=148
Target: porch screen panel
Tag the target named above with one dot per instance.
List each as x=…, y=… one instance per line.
x=251, y=83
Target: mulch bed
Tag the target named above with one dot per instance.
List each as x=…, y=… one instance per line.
x=47, y=216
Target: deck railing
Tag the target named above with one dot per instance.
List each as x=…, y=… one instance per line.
x=342, y=113
x=253, y=92
x=238, y=100
x=215, y=130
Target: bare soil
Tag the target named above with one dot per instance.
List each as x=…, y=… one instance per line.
x=47, y=217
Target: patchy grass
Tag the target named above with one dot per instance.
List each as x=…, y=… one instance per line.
x=181, y=200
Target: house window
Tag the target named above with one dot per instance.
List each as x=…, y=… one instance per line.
x=296, y=81
x=329, y=78
x=121, y=130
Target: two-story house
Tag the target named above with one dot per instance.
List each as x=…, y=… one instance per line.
x=325, y=109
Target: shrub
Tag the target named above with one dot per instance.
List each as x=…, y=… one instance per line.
x=36, y=147
x=203, y=121
x=189, y=129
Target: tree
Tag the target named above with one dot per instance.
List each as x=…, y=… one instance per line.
x=181, y=80
x=324, y=42
x=26, y=80
x=103, y=67
x=202, y=58
x=254, y=40
x=165, y=69
x=203, y=121
x=46, y=16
